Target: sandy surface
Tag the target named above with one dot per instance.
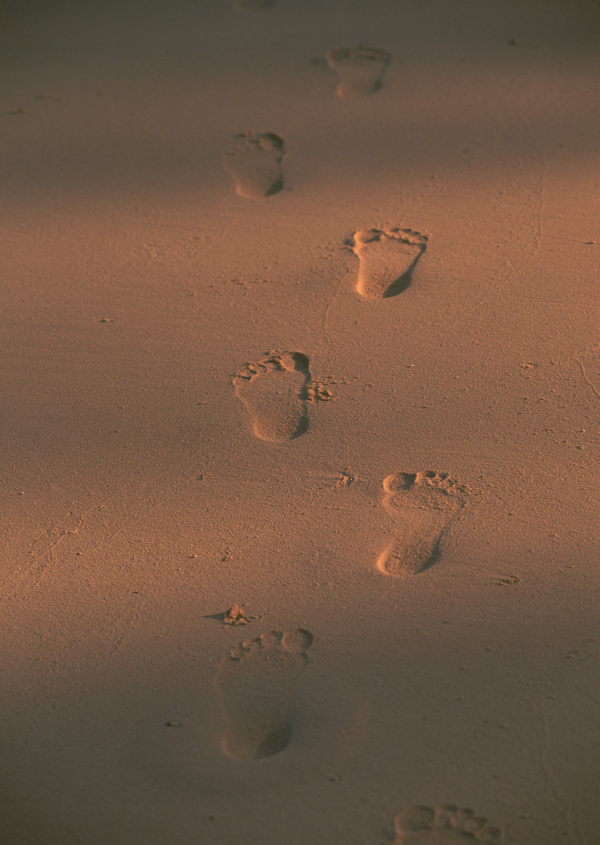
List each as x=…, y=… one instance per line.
x=311, y=329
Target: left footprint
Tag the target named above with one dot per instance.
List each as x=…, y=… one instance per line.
x=276, y=391
x=255, y=164
x=256, y=683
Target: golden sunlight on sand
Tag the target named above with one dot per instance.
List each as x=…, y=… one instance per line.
x=300, y=403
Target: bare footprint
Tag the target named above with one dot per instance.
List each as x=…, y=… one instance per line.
x=387, y=259
x=256, y=684
x=255, y=164
x=276, y=391
x=360, y=69
x=423, y=506
x=442, y=826
x=253, y=5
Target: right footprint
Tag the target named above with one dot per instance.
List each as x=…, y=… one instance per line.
x=387, y=259
x=256, y=683
x=442, y=826
x=255, y=164
x=360, y=70
x=423, y=505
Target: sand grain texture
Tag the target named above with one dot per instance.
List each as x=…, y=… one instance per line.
x=410, y=225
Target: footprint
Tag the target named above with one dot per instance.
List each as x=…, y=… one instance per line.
x=256, y=683
x=423, y=505
x=253, y=5
x=255, y=164
x=360, y=69
x=387, y=258
x=442, y=826
x=276, y=391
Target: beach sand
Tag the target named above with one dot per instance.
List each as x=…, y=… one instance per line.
x=300, y=400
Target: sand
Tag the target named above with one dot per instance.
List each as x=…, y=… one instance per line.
x=300, y=401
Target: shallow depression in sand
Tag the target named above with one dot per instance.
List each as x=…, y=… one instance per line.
x=255, y=164
x=275, y=392
x=387, y=258
x=360, y=70
x=443, y=825
x=422, y=506
x=256, y=683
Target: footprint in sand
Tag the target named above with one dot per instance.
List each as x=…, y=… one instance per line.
x=442, y=826
x=253, y=5
x=360, y=70
x=255, y=164
x=276, y=391
x=256, y=684
x=387, y=259
x=423, y=506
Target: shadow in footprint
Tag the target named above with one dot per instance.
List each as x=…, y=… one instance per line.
x=422, y=505
x=443, y=825
x=275, y=392
x=387, y=259
x=256, y=684
x=255, y=164
x=360, y=70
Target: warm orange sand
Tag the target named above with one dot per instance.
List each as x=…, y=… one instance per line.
x=300, y=321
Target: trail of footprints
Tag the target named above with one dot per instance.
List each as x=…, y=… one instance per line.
x=256, y=683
